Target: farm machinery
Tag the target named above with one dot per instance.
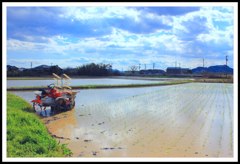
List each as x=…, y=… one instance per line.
x=59, y=96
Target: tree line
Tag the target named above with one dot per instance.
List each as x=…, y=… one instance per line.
x=91, y=69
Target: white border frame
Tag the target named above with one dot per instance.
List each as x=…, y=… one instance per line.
x=64, y=4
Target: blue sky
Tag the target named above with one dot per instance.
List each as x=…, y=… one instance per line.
x=120, y=35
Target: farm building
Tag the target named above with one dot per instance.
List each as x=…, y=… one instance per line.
x=152, y=72
x=178, y=70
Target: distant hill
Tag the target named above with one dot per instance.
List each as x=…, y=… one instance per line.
x=42, y=67
x=41, y=70
x=214, y=69
x=11, y=68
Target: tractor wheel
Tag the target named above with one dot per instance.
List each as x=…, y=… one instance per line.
x=73, y=104
x=36, y=107
x=53, y=108
x=60, y=105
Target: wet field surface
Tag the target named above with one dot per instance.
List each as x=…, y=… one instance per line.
x=81, y=82
x=187, y=120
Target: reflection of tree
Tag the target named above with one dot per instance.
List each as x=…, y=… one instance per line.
x=133, y=68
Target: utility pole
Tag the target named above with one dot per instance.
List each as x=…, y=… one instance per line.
x=180, y=68
x=203, y=66
x=139, y=66
x=31, y=65
x=226, y=63
x=226, y=59
x=145, y=66
x=111, y=66
x=153, y=65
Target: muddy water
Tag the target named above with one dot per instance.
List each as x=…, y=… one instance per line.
x=189, y=120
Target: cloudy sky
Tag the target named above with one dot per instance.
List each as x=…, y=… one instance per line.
x=120, y=35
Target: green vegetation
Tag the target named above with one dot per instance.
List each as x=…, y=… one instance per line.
x=90, y=69
x=26, y=134
x=219, y=80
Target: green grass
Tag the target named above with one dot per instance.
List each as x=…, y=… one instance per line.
x=208, y=80
x=27, y=136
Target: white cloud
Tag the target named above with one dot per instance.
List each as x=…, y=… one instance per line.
x=86, y=13
x=13, y=44
x=121, y=46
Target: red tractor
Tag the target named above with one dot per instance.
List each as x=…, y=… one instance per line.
x=58, y=98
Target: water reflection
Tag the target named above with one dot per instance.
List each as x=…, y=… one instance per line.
x=87, y=97
x=77, y=82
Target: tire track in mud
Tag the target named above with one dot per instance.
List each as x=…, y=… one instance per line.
x=187, y=113
x=195, y=114
x=137, y=111
x=230, y=97
x=95, y=129
x=153, y=130
x=222, y=112
x=135, y=121
x=203, y=125
x=162, y=109
x=212, y=96
x=182, y=109
x=223, y=141
x=206, y=138
x=153, y=111
x=209, y=136
x=111, y=149
x=228, y=125
x=207, y=106
x=139, y=119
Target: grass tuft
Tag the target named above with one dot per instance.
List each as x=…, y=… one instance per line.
x=27, y=136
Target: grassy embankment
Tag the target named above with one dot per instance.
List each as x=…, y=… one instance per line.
x=27, y=136
x=209, y=80
x=106, y=86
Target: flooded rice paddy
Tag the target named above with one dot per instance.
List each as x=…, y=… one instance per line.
x=79, y=82
x=187, y=120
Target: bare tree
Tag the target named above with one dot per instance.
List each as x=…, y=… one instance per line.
x=133, y=68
